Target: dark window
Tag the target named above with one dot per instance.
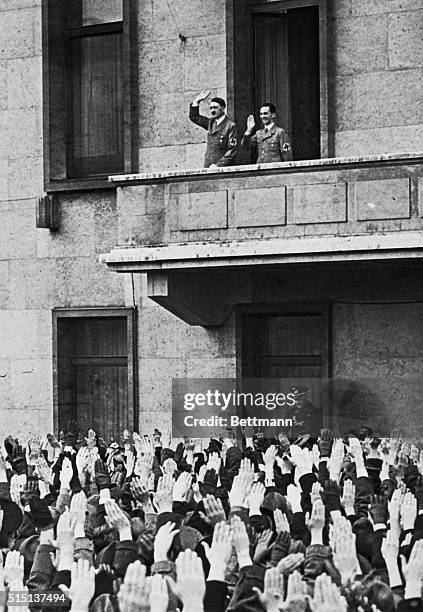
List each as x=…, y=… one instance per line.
x=287, y=344
x=286, y=43
x=88, y=81
x=94, y=372
x=96, y=118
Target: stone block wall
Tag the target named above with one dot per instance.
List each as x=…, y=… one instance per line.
x=375, y=76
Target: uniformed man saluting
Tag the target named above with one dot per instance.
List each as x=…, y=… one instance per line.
x=269, y=144
x=222, y=137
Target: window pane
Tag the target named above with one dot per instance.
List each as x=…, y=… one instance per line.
x=101, y=11
x=97, y=130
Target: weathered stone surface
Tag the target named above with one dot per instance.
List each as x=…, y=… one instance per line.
x=405, y=39
x=386, y=99
x=343, y=106
x=374, y=7
x=257, y=207
x=3, y=86
x=31, y=383
x=4, y=284
x=25, y=177
x=24, y=83
x=161, y=67
x=17, y=33
x=76, y=234
x=361, y=44
x=319, y=203
x=206, y=210
x=164, y=127
x=194, y=155
x=17, y=230
x=154, y=159
x=379, y=141
x=383, y=199
x=208, y=73
x=22, y=334
x=193, y=18
x=217, y=367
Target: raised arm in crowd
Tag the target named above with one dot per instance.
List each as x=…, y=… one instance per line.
x=239, y=524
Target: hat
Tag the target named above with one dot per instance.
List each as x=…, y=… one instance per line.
x=12, y=515
x=28, y=548
x=275, y=500
x=189, y=537
x=300, y=390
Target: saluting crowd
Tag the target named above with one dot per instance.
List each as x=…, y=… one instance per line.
x=237, y=523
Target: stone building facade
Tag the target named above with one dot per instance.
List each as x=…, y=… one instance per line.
x=124, y=264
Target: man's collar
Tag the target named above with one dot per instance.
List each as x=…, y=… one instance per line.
x=269, y=127
x=219, y=121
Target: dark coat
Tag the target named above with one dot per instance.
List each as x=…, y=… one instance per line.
x=222, y=139
x=268, y=147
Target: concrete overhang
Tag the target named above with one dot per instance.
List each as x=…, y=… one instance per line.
x=202, y=282
x=395, y=245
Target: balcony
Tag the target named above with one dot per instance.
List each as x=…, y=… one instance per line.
x=175, y=226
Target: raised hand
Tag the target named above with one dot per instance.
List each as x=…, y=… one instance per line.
x=182, y=486
x=116, y=518
x=342, y=543
x=164, y=495
x=159, y=596
x=413, y=571
x=133, y=594
x=43, y=470
x=82, y=585
x=163, y=541
x=316, y=491
x=408, y=511
x=272, y=596
x=325, y=442
x=201, y=96
x=293, y=495
x=214, y=509
x=390, y=549
x=14, y=570
x=327, y=597
x=220, y=551
x=255, y=498
x=66, y=473
x=78, y=510
x=263, y=546
x=251, y=124
x=241, y=486
x=240, y=541
x=336, y=460
x=281, y=521
x=190, y=580
x=296, y=594
x=348, y=497
x=290, y=563
x=378, y=510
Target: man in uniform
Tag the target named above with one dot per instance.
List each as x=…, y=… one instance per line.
x=270, y=144
x=222, y=137
x=307, y=419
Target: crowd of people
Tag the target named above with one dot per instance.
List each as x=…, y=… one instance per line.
x=238, y=524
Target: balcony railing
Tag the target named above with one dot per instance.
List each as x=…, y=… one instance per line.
x=325, y=199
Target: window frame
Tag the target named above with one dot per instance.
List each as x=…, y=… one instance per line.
x=274, y=6
x=130, y=313
x=282, y=308
x=57, y=104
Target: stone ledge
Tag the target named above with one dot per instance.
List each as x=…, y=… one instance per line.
x=261, y=252
x=277, y=168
